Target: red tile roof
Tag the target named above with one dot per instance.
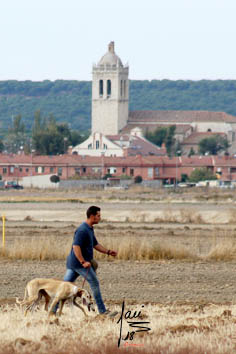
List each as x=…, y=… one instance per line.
x=138, y=145
x=144, y=147
x=138, y=160
x=180, y=116
x=180, y=128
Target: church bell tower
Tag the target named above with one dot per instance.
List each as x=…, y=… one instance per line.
x=110, y=94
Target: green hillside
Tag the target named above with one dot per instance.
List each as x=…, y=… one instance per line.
x=70, y=101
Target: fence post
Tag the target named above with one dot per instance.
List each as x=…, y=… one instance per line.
x=3, y=231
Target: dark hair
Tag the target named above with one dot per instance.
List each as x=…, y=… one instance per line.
x=92, y=211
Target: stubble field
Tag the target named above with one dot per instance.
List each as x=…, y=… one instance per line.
x=176, y=258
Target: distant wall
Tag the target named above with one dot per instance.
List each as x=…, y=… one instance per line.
x=38, y=182
x=77, y=184
x=89, y=184
x=152, y=184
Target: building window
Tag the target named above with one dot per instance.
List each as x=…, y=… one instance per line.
x=111, y=170
x=20, y=169
x=123, y=169
x=157, y=171
x=27, y=170
x=89, y=146
x=96, y=169
x=131, y=172
x=4, y=170
x=59, y=171
x=121, y=88
x=36, y=169
x=150, y=172
x=11, y=169
x=108, y=170
x=77, y=170
x=51, y=169
x=100, y=88
x=84, y=169
x=97, y=144
x=124, y=88
x=108, y=88
x=42, y=169
x=105, y=146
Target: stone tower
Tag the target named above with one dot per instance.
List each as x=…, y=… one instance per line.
x=110, y=94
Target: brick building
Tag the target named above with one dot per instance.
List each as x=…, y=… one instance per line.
x=15, y=167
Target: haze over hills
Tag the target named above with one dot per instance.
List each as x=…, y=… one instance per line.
x=70, y=101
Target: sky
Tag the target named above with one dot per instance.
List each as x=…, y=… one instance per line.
x=159, y=39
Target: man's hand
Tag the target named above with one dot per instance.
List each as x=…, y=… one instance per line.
x=86, y=264
x=102, y=249
x=112, y=253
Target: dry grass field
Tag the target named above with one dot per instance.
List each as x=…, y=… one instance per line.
x=176, y=264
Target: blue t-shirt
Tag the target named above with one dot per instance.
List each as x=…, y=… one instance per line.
x=85, y=238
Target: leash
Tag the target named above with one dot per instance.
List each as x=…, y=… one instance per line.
x=85, y=278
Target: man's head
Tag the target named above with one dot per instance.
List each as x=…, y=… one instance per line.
x=93, y=214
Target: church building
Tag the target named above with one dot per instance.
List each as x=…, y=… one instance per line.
x=118, y=132
x=110, y=112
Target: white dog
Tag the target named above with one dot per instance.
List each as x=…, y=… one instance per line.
x=58, y=290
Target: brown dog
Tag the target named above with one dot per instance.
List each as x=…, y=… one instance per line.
x=59, y=290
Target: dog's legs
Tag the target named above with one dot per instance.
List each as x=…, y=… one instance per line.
x=53, y=304
x=46, y=297
x=61, y=306
x=47, y=300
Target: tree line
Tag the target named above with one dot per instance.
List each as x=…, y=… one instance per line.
x=47, y=137
x=70, y=101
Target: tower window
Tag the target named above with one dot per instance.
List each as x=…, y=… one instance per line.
x=121, y=88
x=97, y=144
x=100, y=88
x=124, y=88
x=108, y=88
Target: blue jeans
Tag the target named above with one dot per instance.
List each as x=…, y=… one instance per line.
x=71, y=275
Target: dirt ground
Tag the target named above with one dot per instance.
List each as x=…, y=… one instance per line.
x=135, y=281
x=139, y=282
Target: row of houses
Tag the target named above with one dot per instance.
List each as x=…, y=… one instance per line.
x=163, y=168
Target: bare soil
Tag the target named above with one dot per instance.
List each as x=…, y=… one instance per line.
x=138, y=282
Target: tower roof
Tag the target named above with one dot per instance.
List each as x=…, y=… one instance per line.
x=110, y=58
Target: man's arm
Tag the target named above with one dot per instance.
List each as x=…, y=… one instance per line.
x=102, y=249
x=79, y=256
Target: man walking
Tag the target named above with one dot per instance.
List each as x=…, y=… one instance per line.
x=81, y=255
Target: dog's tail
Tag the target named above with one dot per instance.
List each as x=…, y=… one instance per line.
x=21, y=302
x=18, y=301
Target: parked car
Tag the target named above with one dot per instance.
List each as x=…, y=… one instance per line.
x=13, y=185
